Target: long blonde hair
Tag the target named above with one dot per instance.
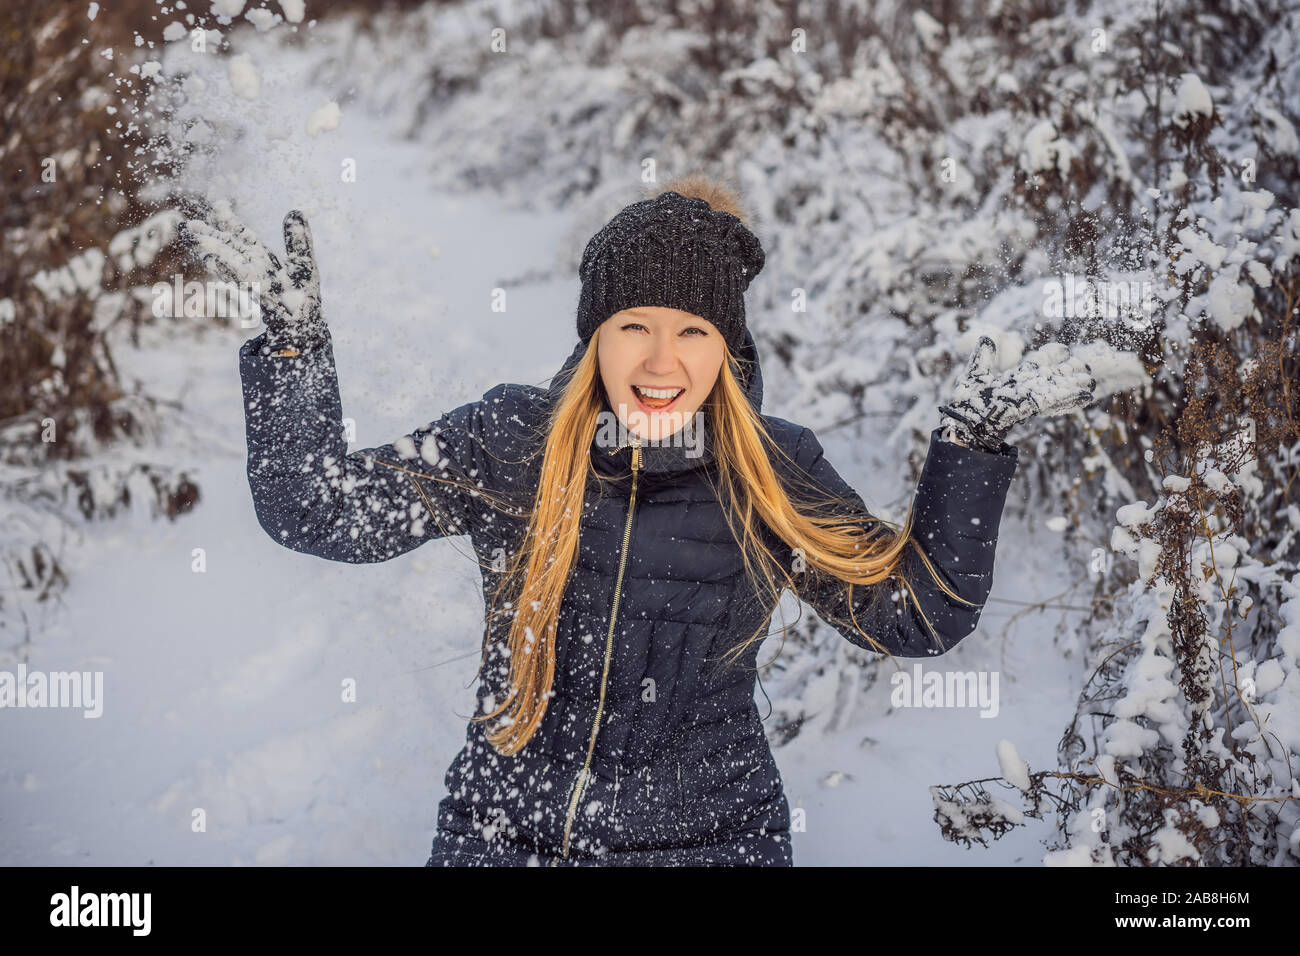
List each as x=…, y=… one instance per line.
x=831, y=539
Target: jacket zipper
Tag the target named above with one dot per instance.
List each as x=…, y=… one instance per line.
x=580, y=783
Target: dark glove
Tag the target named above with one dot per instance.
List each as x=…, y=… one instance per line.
x=289, y=297
x=1048, y=381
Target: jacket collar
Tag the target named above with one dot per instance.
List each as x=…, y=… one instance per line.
x=668, y=457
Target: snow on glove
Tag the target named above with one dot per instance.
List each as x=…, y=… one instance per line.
x=1048, y=381
x=289, y=296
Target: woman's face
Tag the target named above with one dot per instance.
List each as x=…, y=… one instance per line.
x=658, y=366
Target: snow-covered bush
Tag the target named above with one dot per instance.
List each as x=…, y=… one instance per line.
x=1187, y=736
x=79, y=243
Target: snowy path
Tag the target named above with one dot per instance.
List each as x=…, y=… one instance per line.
x=223, y=688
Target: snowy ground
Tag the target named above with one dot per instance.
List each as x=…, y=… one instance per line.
x=223, y=688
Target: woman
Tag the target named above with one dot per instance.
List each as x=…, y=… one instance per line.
x=635, y=523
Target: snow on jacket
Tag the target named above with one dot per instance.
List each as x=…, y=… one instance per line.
x=670, y=766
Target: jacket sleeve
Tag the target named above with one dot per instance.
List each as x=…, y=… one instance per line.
x=956, y=514
x=311, y=495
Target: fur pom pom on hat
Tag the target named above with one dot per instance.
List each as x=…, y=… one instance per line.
x=672, y=251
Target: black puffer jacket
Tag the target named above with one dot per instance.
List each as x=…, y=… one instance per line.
x=650, y=752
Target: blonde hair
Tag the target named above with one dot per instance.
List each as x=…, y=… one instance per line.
x=838, y=541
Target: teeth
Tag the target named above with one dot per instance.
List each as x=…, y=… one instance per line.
x=659, y=392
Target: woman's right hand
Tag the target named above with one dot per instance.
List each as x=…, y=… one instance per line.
x=289, y=296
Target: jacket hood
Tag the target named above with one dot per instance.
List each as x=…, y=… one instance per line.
x=670, y=456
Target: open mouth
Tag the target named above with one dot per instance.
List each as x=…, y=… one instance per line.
x=657, y=399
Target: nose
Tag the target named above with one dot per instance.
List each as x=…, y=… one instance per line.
x=662, y=359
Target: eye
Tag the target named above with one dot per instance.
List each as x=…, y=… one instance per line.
x=637, y=325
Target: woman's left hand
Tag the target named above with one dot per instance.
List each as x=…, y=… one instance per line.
x=1048, y=381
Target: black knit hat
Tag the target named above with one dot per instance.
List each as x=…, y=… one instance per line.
x=672, y=251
